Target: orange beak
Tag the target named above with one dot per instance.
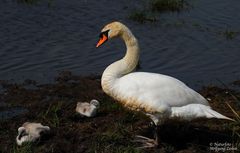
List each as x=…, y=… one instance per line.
x=103, y=39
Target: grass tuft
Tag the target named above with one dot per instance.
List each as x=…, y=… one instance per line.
x=30, y=2
x=142, y=17
x=35, y=2
x=52, y=114
x=148, y=14
x=229, y=34
x=168, y=5
x=26, y=148
x=235, y=126
x=113, y=141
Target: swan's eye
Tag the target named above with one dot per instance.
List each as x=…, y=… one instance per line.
x=104, y=33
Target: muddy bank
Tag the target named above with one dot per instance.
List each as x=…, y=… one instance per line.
x=114, y=127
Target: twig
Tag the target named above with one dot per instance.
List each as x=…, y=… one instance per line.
x=235, y=97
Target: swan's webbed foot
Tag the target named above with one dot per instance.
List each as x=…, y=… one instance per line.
x=146, y=142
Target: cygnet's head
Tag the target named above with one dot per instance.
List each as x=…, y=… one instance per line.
x=95, y=103
x=29, y=132
x=110, y=31
x=21, y=133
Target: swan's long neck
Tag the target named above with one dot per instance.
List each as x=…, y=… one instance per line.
x=124, y=66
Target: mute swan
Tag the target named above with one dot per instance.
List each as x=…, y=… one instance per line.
x=159, y=96
x=30, y=132
x=87, y=109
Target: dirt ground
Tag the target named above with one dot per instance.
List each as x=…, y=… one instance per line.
x=114, y=127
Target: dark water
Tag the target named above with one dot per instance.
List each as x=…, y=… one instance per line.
x=11, y=112
x=37, y=41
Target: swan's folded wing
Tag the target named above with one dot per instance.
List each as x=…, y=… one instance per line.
x=157, y=90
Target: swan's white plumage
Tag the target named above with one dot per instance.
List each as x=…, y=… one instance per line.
x=160, y=95
x=192, y=111
x=157, y=90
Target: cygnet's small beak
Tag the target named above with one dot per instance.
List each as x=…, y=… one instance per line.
x=23, y=133
x=103, y=38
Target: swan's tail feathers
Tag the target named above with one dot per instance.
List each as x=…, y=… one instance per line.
x=213, y=114
x=192, y=111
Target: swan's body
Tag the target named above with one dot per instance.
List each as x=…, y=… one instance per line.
x=87, y=109
x=158, y=95
x=152, y=92
x=30, y=132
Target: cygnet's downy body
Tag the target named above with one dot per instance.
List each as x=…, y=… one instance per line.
x=88, y=109
x=30, y=132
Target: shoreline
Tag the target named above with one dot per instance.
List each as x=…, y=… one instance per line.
x=113, y=128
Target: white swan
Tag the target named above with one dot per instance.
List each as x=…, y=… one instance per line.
x=30, y=132
x=160, y=96
x=87, y=109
